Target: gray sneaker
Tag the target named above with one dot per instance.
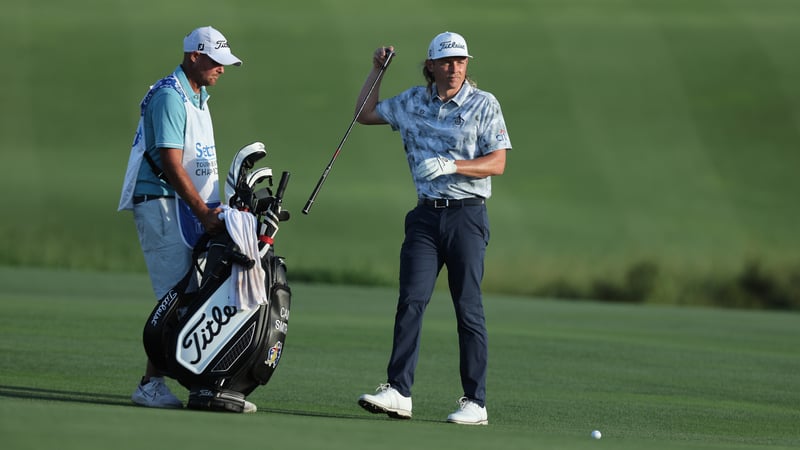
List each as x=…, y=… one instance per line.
x=155, y=394
x=387, y=401
x=469, y=413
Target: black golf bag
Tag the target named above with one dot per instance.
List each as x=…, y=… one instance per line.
x=219, y=352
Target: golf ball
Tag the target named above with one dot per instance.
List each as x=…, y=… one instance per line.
x=596, y=434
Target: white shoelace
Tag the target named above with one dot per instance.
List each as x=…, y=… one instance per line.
x=463, y=402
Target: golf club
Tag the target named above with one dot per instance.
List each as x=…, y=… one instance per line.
x=312, y=198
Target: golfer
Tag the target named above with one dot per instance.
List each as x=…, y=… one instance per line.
x=455, y=140
x=172, y=182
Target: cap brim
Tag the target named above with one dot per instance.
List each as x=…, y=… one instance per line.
x=451, y=56
x=226, y=59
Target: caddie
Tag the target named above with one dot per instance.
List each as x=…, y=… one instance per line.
x=172, y=182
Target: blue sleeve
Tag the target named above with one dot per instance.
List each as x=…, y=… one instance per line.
x=386, y=109
x=168, y=118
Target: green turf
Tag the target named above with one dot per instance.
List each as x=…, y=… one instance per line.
x=652, y=130
x=647, y=377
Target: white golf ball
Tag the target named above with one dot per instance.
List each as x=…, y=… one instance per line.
x=596, y=434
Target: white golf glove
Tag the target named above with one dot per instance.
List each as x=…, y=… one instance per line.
x=435, y=167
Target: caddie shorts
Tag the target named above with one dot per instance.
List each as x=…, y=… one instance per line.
x=166, y=255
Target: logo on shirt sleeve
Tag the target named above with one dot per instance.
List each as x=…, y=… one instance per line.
x=501, y=136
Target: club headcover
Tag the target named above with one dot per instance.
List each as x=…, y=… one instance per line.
x=244, y=160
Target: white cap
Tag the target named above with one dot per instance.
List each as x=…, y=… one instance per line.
x=446, y=45
x=211, y=42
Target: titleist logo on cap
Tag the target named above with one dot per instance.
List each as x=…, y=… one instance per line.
x=451, y=44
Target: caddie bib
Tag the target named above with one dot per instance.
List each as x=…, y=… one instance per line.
x=199, y=160
x=139, y=146
x=200, y=163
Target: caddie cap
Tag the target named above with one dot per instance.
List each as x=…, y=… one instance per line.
x=446, y=45
x=211, y=42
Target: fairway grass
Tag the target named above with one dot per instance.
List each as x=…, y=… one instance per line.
x=647, y=377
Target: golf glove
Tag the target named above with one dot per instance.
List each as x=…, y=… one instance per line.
x=435, y=167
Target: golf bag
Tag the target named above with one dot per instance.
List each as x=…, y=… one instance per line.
x=216, y=350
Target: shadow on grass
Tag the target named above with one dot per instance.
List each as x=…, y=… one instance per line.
x=63, y=396
x=124, y=400
x=365, y=416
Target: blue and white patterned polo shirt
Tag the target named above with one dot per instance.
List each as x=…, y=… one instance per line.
x=468, y=126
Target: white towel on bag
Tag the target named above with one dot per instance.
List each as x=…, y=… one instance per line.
x=248, y=289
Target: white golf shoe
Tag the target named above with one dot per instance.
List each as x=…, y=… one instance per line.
x=469, y=413
x=387, y=401
x=155, y=394
x=249, y=407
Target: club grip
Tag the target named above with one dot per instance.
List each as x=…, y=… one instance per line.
x=282, y=187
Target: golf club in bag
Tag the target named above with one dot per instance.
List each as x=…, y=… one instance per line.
x=217, y=350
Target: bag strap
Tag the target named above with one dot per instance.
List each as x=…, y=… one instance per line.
x=156, y=170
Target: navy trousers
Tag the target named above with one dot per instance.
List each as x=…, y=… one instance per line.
x=455, y=238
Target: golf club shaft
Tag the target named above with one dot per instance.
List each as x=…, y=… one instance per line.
x=328, y=168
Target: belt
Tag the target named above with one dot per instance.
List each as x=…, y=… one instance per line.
x=143, y=198
x=451, y=203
